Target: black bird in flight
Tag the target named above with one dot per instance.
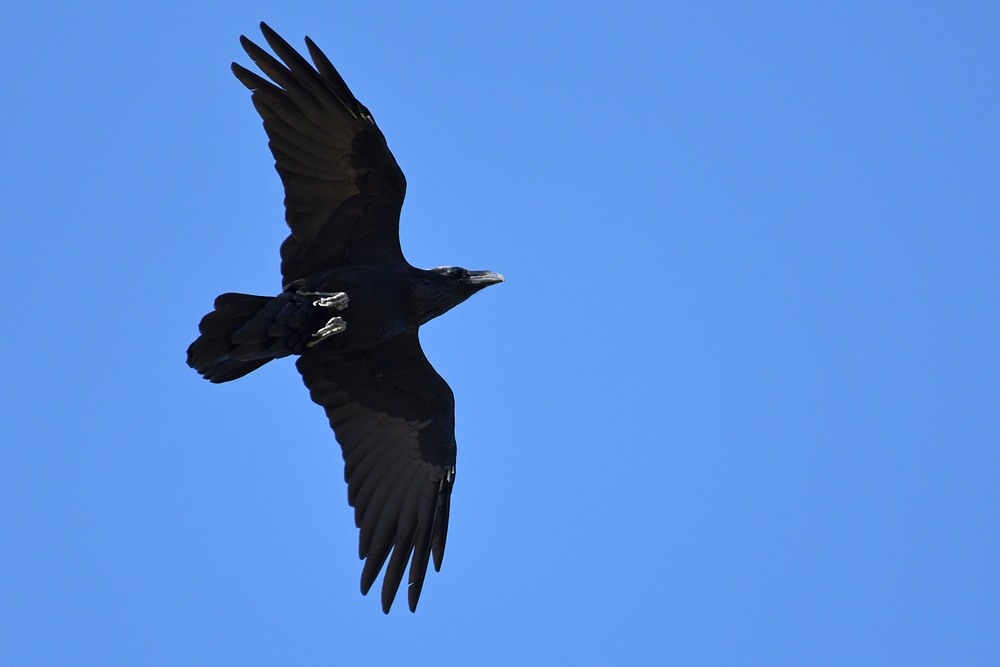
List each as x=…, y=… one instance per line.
x=351, y=307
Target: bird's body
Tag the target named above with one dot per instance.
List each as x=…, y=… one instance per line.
x=351, y=308
x=380, y=301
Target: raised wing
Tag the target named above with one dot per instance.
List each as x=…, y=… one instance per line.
x=394, y=417
x=343, y=188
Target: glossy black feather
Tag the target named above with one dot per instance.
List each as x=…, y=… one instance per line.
x=403, y=394
x=392, y=414
x=306, y=110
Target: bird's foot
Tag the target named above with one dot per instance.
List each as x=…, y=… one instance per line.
x=336, y=325
x=336, y=300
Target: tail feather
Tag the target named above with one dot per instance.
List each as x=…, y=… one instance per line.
x=215, y=355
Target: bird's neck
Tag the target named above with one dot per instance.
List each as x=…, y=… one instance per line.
x=431, y=300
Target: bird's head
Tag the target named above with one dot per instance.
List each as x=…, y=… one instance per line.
x=451, y=285
x=465, y=280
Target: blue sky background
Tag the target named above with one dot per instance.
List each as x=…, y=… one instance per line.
x=737, y=404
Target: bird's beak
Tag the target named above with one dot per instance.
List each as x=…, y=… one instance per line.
x=484, y=278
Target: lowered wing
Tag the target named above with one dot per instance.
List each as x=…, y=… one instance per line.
x=343, y=188
x=394, y=417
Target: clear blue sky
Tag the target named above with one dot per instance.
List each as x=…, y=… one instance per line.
x=737, y=404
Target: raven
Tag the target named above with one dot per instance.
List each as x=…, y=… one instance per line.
x=351, y=308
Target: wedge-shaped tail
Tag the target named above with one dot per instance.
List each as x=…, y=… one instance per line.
x=221, y=354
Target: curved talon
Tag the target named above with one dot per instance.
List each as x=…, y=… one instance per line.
x=338, y=300
x=336, y=325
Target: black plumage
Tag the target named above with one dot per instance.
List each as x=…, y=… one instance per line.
x=351, y=308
